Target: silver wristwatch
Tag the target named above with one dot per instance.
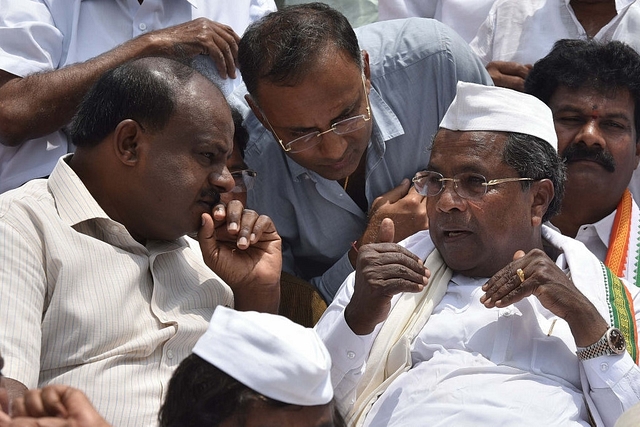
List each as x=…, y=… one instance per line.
x=612, y=342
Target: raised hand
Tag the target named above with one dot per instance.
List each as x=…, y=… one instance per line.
x=382, y=271
x=244, y=249
x=404, y=206
x=555, y=291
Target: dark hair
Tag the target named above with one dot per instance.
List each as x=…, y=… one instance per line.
x=533, y=157
x=576, y=64
x=240, y=135
x=284, y=45
x=143, y=90
x=200, y=394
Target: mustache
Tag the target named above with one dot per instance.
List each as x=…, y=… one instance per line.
x=575, y=152
x=211, y=194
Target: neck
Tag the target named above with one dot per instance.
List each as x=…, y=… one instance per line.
x=594, y=14
x=92, y=166
x=354, y=184
x=581, y=209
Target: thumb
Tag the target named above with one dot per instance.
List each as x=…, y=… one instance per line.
x=519, y=254
x=387, y=231
x=207, y=235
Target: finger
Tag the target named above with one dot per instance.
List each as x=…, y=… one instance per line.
x=17, y=408
x=234, y=211
x=79, y=406
x=33, y=404
x=519, y=254
x=247, y=222
x=387, y=231
x=394, y=194
x=207, y=230
x=51, y=399
x=263, y=225
x=219, y=214
x=20, y=422
x=224, y=52
x=499, y=285
x=382, y=258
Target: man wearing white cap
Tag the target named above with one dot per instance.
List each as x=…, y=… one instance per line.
x=253, y=369
x=488, y=330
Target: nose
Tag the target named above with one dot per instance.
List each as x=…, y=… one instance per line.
x=590, y=134
x=333, y=146
x=449, y=199
x=223, y=181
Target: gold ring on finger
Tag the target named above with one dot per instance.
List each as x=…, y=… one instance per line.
x=520, y=274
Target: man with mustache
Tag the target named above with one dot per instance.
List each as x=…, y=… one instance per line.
x=506, y=321
x=100, y=290
x=593, y=90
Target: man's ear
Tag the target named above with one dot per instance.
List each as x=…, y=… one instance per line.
x=365, y=65
x=542, y=192
x=126, y=141
x=637, y=150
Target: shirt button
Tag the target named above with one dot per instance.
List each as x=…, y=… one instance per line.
x=351, y=354
x=604, y=367
x=142, y=26
x=169, y=354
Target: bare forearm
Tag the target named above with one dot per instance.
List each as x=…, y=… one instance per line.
x=42, y=103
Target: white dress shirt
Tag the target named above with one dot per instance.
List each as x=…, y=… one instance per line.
x=82, y=303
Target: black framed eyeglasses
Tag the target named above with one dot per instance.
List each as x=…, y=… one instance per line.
x=341, y=127
x=467, y=185
x=244, y=180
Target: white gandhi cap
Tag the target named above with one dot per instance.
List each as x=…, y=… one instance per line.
x=490, y=108
x=269, y=354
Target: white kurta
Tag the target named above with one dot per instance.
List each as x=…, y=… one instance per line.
x=477, y=366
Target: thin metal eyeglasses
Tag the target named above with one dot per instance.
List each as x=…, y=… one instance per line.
x=466, y=185
x=341, y=127
x=244, y=180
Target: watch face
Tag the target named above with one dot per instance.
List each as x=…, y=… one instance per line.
x=616, y=341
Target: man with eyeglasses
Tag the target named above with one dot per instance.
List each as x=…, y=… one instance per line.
x=472, y=322
x=339, y=121
x=243, y=177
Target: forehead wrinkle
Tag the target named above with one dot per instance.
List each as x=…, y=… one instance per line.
x=479, y=146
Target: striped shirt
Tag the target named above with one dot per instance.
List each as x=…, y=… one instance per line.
x=82, y=303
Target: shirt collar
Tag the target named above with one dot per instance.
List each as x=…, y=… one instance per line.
x=74, y=201
x=385, y=122
x=603, y=227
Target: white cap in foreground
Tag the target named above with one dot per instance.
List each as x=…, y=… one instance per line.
x=270, y=354
x=490, y=108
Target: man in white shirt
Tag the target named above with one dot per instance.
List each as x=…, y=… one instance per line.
x=100, y=290
x=517, y=33
x=51, y=52
x=486, y=329
x=593, y=91
x=464, y=16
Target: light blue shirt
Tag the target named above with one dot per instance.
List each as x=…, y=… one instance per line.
x=415, y=65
